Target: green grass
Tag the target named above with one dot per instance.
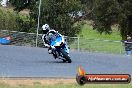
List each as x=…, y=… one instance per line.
x=92, y=86
x=3, y=85
x=88, y=32
x=93, y=41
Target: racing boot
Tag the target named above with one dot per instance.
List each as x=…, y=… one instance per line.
x=54, y=55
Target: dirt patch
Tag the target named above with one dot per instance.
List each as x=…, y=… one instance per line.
x=15, y=82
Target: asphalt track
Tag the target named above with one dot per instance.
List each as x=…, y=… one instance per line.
x=19, y=61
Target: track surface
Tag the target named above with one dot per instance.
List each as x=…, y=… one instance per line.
x=18, y=61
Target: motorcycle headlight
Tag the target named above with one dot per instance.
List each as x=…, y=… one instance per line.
x=58, y=44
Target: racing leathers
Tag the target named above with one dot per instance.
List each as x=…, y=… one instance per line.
x=48, y=38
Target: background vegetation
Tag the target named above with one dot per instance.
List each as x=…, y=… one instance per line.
x=90, y=40
x=8, y=19
x=106, y=13
x=59, y=14
x=109, y=20
x=63, y=14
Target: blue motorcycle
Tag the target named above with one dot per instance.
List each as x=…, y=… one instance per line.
x=60, y=49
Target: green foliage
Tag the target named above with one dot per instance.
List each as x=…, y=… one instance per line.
x=8, y=20
x=22, y=4
x=56, y=13
x=109, y=12
x=11, y=20
x=24, y=23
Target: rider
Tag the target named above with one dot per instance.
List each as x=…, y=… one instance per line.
x=4, y=3
x=48, y=36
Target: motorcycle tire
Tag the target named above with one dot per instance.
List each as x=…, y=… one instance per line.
x=64, y=60
x=65, y=55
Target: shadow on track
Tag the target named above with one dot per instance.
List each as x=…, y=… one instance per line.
x=51, y=62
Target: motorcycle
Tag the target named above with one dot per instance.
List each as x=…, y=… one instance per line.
x=60, y=49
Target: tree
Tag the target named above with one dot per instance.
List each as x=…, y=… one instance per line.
x=109, y=12
x=8, y=20
x=59, y=14
x=22, y=4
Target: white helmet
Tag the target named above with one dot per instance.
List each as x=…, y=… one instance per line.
x=45, y=27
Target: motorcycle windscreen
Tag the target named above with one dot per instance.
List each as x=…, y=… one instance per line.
x=57, y=40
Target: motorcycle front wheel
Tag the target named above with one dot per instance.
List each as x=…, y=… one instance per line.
x=65, y=55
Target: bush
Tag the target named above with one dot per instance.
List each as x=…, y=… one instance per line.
x=8, y=19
